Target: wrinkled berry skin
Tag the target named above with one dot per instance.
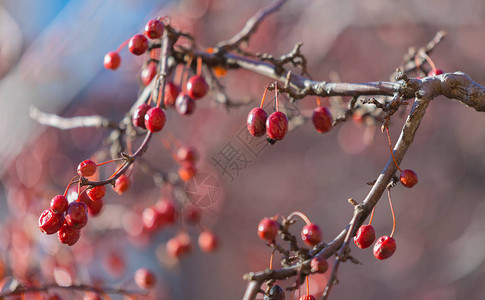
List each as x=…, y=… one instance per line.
x=197, y=87
x=184, y=104
x=311, y=234
x=49, y=222
x=322, y=119
x=408, y=178
x=59, y=204
x=97, y=192
x=86, y=168
x=155, y=119
x=257, y=122
x=365, y=236
x=268, y=229
x=77, y=215
x=68, y=235
x=154, y=29
x=384, y=247
x=277, y=125
x=139, y=115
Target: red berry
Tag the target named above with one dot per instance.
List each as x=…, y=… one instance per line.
x=50, y=222
x=151, y=219
x=208, y=241
x=92, y=296
x=268, y=229
x=139, y=115
x=86, y=168
x=59, y=204
x=319, y=265
x=308, y=297
x=277, y=125
x=179, y=245
x=112, y=60
x=148, y=73
x=154, y=29
x=184, y=104
x=122, y=184
x=257, y=121
x=365, y=236
x=187, y=172
x=145, y=279
x=68, y=235
x=138, y=44
x=384, y=247
x=435, y=72
x=275, y=293
x=311, y=234
x=408, y=178
x=322, y=119
x=171, y=93
x=167, y=211
x=96, y=192
x=155, y=119
x=186, y=155
x=77, y=215
x=197, y=87
x=94, y=207
x=192, y=215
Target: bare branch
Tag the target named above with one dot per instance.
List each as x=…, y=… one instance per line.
x=69, y=123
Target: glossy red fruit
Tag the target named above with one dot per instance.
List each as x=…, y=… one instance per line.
x=365, y=236
x=184, y=104
x=50, y=222
x=311, y=234
x=179, y=245
x=122, y=184
x=322, y=119
x=138, y=44
x=187, y=171
x=277, y=125
x=384, y=247
x=155, y=119
x=94, y=207
x=96, y=192
x=112, y=60
x=171, y=93
x=59, y=204
x=268, y=229
x=408, y=178
x=77, y=215
x=151, y=219
x=167, y=211
x=186, y=155
x=148, y=73
x=435, y=72
x=68, y=235
x=275, y=293
x=257, y=122
x=154, y=29
x=139, y=115
x=197, y=87
x=308, y=297
x=86, y=168
x=192, y=215
x=208, y=241
x=319, y=265
x=145, y=279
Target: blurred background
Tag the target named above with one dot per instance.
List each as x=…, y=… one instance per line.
x=51, y=56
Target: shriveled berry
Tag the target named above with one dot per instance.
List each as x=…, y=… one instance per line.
x=171, y=93
x=139, y=115
x=257, y=122
x=50, y=222
x=275, y=293
x=154, y=29
x=167, y=211
x=86, y=168
x=192, y=215
x=365, y=236
x=308, y=297
x=77, y=215
x=277, y=125
x=186, y=155
x=319, y=265
x=94, y=207
x=112, y=60
x=148, y=73
x=122, y=184
x=184, y=104
x=197, y=87
x=155, y=119
x=96, y=192
x=322, y=119
x=59, y=204
x=68, y=235
x=435, y=72
x=268, y=229
x=138, y=44
x=408, y=178
x=145, y=279
x=208, y=241
x=384, y=247
x=187, y=171
x=179, y=245
x=311, y=234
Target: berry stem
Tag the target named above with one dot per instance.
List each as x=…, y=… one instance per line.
x=264, y=96
x=179, y=71
x=307, y=286
x=159, y=100
x=276, y=94
x=123, y=45
x=392, y=211
x=117, y=170
x=199, y=66
x=109, y=161
x=430, y=61
x=318, y=102
x=271, y=260
x=390, y=147
x=372, y=215
x=301, y=215
x=69, y=185
x=186, y=74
